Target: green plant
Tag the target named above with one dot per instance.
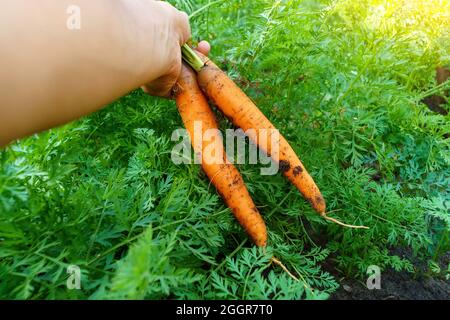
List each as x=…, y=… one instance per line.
x=341, y=79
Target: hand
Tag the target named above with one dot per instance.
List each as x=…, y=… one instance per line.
x=163, y=86
x=172, y=30
x=122, y=45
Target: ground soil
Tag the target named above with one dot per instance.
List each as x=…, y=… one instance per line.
x=436, y=102
x=397, y=285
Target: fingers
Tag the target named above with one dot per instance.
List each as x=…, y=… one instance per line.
x=174, y=32
x=162, y=86
x=204, y=47
x=183, y=26
x=179, y=21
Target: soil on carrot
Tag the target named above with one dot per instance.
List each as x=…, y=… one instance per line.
x=284, y=165
x=396, y=286
x=297, y=170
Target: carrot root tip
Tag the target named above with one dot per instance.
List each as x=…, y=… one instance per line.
x=282, y=266
x=341, y=223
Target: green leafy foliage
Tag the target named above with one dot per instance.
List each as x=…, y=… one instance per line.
x=342, y=80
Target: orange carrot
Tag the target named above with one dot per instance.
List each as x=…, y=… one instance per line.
x=193, y=106
x=243, y=113
x=241, y=110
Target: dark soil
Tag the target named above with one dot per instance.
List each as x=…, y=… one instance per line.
x=435, y=102
x=397, y=285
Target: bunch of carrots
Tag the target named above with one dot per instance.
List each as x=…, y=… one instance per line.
x=201, y=79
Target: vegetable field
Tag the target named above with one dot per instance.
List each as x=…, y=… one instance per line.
x=350, y=84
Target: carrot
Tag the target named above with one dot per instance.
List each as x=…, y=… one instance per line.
x=241, y=110
x=243, y=113
x=193, y=106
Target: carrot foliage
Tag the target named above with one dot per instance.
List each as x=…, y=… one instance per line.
x=342, y=80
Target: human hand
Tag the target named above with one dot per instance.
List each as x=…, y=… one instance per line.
x=170, y=31
x=163, y=86
x=122, y=45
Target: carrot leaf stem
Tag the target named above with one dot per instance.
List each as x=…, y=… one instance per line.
x=191, y=58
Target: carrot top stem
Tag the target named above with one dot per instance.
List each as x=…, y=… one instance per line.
x=191, y=58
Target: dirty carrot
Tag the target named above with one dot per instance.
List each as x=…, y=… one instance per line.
x=243, y=113
x=193, y=107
